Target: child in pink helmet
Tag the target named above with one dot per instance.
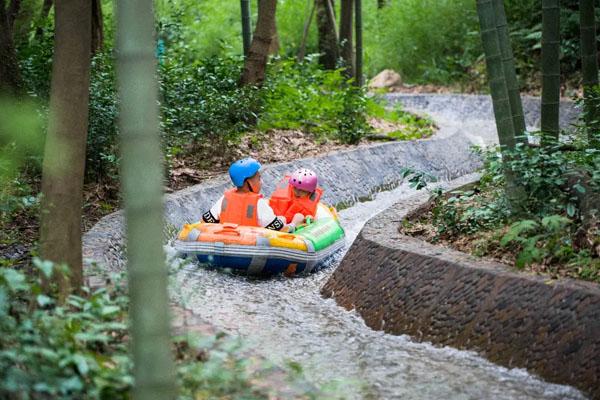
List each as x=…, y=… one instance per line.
x=301, y=195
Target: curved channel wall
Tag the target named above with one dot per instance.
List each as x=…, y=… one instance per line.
x=403, y=285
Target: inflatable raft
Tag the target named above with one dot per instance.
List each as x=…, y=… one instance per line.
x=260, y=251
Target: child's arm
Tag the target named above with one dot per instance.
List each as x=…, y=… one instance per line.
x=213, y=215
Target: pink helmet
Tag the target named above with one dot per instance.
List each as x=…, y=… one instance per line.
x=304, y=179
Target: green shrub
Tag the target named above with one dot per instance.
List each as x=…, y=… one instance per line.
x=303, y=96
x=203, y=101
x=547, y=239
x=208, y=29
x=77, y=350
x=80, y=349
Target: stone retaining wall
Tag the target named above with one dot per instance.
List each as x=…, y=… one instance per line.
x=402, y=285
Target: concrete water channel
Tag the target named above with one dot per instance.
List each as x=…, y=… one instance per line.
x=288, y=320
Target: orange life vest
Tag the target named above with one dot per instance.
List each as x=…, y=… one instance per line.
x=284, y=202
x=281, y=199
x=239, y=208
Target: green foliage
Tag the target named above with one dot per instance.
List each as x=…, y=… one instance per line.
x=203, y=101
x=413, y=126
x=426, y=41
x=544, y=173
x=21, y=146
x=291, y=16
x=76, y=350
x=35, y=56
x=102, y=158
x=416, y=179
x=536, y=241
x=466, y=212
x=303, y=96
x=21, y=139
x=209, y=28
x=80, y=349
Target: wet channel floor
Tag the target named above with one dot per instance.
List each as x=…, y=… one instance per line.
x=288, y=320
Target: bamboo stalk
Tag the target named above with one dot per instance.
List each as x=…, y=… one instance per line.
x=500, y=101
x=246, y=26
x=550, y=70
x=589, y=65
x=359, y=42
x=508, y=64
x=142, y=182
x=496, y=77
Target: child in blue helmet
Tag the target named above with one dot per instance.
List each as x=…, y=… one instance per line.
x=244, y=205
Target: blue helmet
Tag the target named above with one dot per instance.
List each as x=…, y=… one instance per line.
x=242, y=170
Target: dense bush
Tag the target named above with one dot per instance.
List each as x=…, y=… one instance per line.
x=203, y=101
x=301, y=95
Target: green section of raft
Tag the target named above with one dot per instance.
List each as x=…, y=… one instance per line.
x=322, y=233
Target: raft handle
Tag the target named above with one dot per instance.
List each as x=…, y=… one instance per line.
x=229, y=230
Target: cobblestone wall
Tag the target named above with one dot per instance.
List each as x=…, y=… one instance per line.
x=402, y=285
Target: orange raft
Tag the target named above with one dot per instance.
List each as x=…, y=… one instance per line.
x=260, y=251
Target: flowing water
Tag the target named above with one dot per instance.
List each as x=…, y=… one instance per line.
x=288, y=320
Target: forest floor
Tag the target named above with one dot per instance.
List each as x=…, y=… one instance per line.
x=191, y=166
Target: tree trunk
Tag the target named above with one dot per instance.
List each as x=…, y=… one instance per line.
x=589, y=65
x=246, y=26
x=97, y=26
x=64, y=153
x=256, y=62
x=359, y=46
x=328, y=46
x=499, y=91
x=274, y=46
x=508, y=65
x=142, y=184
x=302, y=50
x=10, y=74
x=550, y=70
x=347, y=48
